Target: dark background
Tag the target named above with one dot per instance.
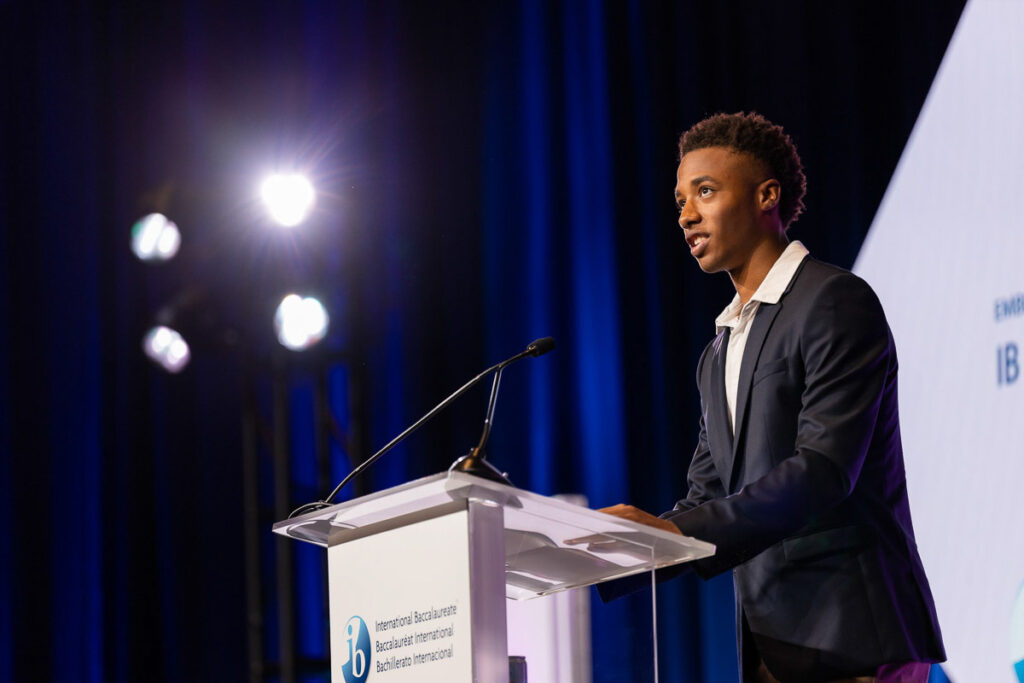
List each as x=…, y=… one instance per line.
x=487, y=173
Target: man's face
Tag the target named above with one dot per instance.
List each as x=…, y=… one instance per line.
x=721, y=195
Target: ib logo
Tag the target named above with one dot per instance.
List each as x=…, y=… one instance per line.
x=356, y=667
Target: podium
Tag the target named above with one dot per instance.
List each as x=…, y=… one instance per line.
x=418, y=574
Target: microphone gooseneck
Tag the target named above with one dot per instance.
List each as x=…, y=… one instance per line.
x=476, y=464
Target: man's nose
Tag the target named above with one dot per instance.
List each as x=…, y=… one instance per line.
x=688, y=215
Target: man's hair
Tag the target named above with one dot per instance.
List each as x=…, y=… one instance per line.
x=755, y=135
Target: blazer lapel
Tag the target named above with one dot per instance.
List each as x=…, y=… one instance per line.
x=759, y=328
x=719, y=434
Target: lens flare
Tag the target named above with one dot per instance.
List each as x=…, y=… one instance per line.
x=155, y=238
x=167, y=348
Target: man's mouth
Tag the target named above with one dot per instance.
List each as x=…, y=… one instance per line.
x=697, y=244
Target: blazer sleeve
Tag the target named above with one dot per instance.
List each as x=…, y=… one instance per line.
x=849, y=362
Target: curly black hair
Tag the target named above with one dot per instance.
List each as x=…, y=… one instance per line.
x=755, y=135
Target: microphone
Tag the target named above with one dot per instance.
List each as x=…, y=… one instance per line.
x=475, y=462
x=541, y=346
x=536, y=348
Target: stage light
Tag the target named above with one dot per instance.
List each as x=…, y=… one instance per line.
x=154, y=238
x=288, y=197
x=166, y=348
x=300, y=322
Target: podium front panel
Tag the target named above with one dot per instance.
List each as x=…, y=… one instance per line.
x=421, y=601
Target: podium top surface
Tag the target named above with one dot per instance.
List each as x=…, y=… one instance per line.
x=550, y=544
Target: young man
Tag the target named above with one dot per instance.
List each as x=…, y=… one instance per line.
x=798, y=474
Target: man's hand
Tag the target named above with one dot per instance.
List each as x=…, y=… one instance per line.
x=637, y=515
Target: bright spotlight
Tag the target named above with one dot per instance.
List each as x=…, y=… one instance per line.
x=289, y=198
x=154, y=238
x=166, y=348
x=300, y=322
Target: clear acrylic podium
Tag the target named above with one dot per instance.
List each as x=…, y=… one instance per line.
x=418, y=574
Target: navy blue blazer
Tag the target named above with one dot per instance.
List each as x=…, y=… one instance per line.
x=808, y=501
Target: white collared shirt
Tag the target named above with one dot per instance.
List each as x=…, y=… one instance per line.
x=738, y=318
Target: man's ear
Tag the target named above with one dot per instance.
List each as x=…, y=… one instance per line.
x=768, y=194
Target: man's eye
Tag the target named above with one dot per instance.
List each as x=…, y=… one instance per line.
x=704, y=191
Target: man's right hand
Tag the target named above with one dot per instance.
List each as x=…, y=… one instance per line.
x=634, y=514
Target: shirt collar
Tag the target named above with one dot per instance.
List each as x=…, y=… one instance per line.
x=772, y=287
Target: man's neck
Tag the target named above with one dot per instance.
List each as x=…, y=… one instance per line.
x=749, y=276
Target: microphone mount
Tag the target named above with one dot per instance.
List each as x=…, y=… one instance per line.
x=475, y=462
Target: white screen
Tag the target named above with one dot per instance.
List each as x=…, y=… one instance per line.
x=946, y=256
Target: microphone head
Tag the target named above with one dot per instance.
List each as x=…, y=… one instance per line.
x=541, y=346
